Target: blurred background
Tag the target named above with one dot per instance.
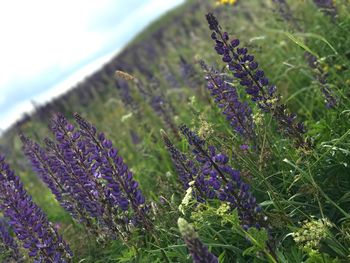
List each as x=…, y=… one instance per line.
x=49, y=46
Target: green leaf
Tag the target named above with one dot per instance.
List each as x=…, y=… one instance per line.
x=300, y=43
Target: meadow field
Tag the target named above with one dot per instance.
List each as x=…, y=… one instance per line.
x=220, y=134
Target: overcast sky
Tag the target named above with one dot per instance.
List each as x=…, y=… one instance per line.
x=46, y=46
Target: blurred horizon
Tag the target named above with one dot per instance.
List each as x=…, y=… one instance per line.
x=43, y=61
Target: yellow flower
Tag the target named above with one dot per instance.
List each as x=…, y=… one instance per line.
x=226, y=2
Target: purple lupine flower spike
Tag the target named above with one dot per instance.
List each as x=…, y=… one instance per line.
x=199, y=252
x=28, y=221
x=179, y=160
x=257, y=86
x=224, y=182
x=9, y=242
x=285, y=12
x=163, y=108
x=70, y=163
x=90, y=192
x=122, y=188
x=44, y=163
x=327, y=7
x=186, y=169
x=321, y=77
x=238, y=113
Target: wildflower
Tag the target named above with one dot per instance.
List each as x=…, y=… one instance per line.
x=66, y=190
x=187, y=70
x=221, y=181
x=327, y=7
x=28, y=221
x=162, y=108
x=238, y=113
x=258, y=118
x=122, y=190
x=244, y=147
x=285, y=12
x=223, y=209
x=205, y=129
x=187, y=198
x=89, y=178
x=135, y=138
x=72, y=166
x=186, y=169
x=8, y=241
x=257, y=86
x=310, y=234
x=199, y=252
x=155, y=98
x=74, y=151
x=226, y=2
x=321, y=76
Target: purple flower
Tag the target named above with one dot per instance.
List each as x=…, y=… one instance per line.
x=238, y=113
x=120, y=187
x=327, y=7
x=321, y=77
x=163, y=108
x=28, y=221
x=187, y=70
x=9, y=242
x=73, y=168
x=47, y=165
x=89, y=178
x=257, y=86
x=286, y=13
x=199, y=252
x=186, y=169
x=223, y=182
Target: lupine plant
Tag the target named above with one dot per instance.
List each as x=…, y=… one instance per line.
x=257, y=86
x=155, y=98
x=89, y=179
x=28, y=221
x=122, y=189
x=199, y=252
x=219, y=180
x=327, y=6
x=284, y=10
x=321, y=77
x=8, y=243
x=47, y=166
x=186, y=169
x=238, y=113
